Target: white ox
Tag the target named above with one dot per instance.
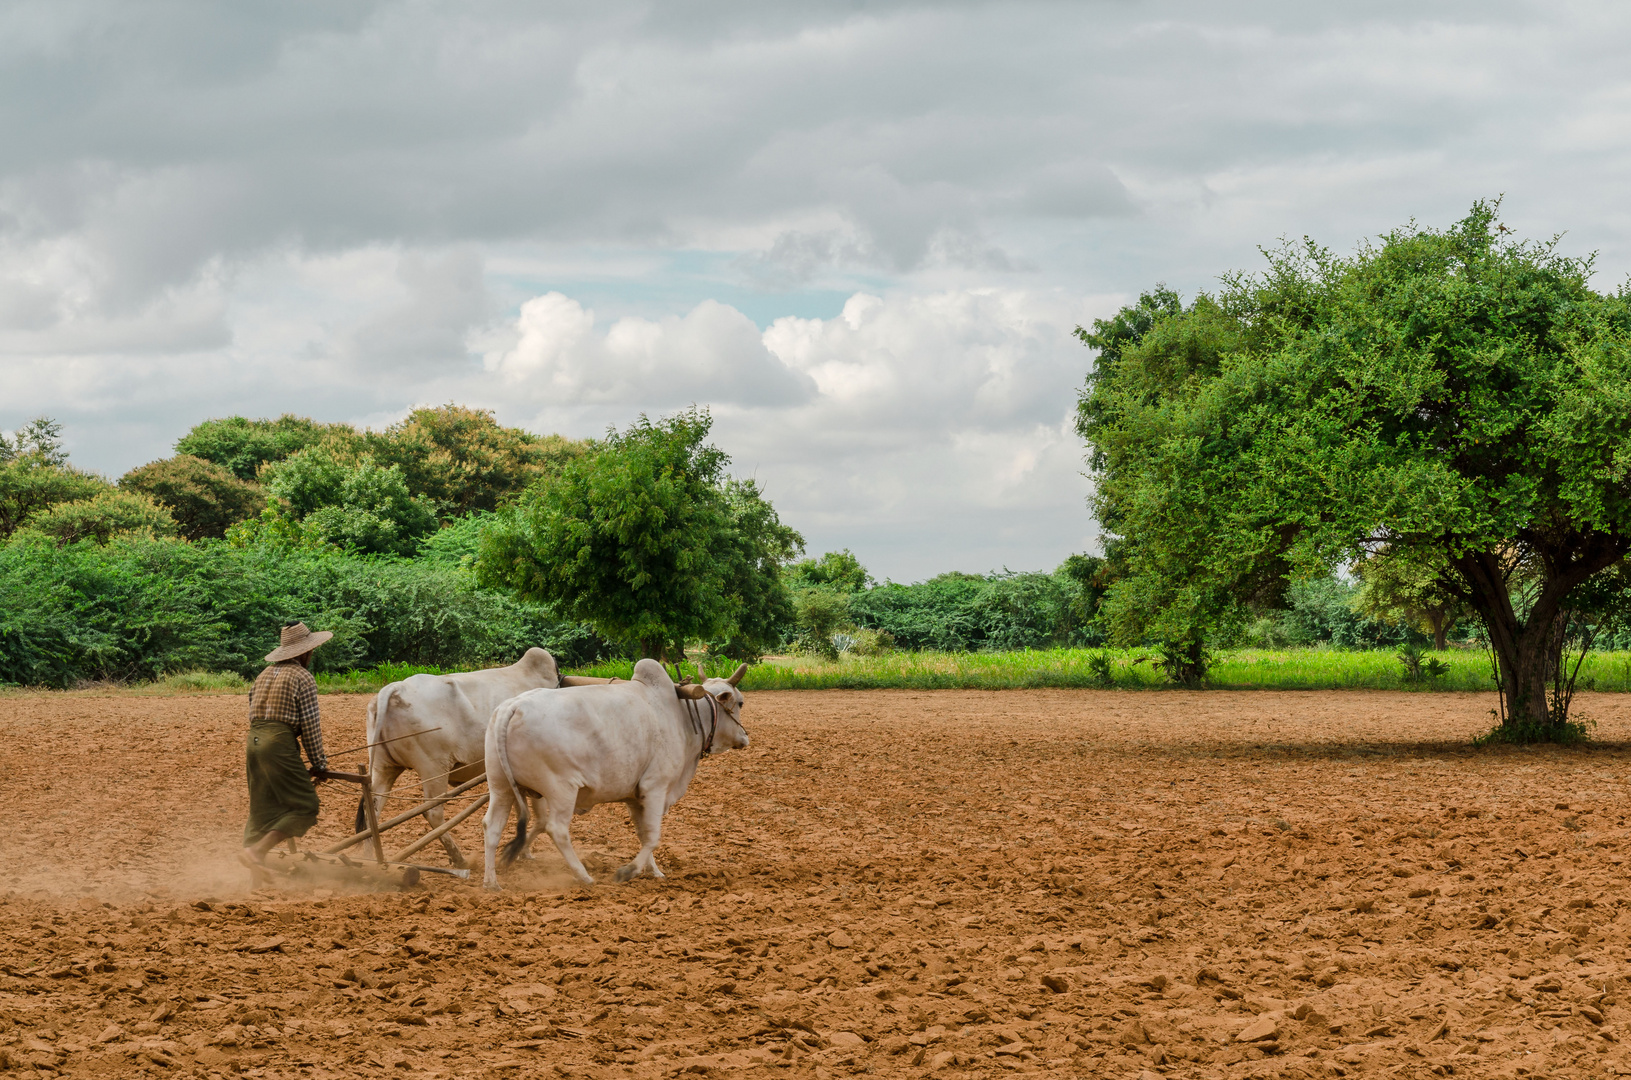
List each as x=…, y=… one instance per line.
x=637, y=743
x=404, y=714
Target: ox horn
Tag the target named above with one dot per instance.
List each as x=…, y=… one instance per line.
x=690, y=692
x=736, y=676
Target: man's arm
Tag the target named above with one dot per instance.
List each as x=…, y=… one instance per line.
x=310, y=724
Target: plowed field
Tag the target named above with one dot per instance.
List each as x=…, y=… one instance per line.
x=956, y=884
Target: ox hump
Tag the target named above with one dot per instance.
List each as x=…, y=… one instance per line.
x=652, y=673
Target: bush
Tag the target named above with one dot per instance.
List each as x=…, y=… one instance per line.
x=204, y=498
x=106, y=514
x=140, y=608
x=30, y=484
x=965, y=612
x=647, y=539
x=863, y=642
x=1529, y=733
x=355, y=505
x=1325, y=611
x=457, y=543
x=821, y=614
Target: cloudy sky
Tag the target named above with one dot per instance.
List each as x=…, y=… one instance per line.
x=861, y=233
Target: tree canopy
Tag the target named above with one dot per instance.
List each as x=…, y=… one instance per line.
x=645, y=538
x=105, y=515
x=242, y=446
x=839, y=570
x=1460, y=398
x=204, y=498
x=464, y=460
x=31, y=485
x=39, y=440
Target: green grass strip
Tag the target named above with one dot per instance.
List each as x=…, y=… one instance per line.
x=1130, y=669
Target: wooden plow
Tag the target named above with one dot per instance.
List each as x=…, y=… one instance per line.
x=333, y=866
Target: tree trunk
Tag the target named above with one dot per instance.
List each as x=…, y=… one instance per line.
x=651, y=649
x=1185, y=663
x=1440, y=627
x=1529, y=651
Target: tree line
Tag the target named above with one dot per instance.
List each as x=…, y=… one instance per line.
x=450, y=540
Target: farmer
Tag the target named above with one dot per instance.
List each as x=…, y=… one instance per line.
x=282, y=706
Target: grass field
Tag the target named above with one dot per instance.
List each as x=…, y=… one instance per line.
x=1130, y=669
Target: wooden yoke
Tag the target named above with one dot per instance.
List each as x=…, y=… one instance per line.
x=686, y=692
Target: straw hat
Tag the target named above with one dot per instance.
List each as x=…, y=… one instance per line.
x=296, y=640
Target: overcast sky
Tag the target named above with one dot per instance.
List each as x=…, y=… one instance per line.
x=861, y=233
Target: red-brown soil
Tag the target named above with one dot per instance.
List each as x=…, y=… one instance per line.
x=959, y=884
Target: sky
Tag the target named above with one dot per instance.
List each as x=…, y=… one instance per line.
x=860, y=234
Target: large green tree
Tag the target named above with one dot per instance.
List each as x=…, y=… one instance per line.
x=647, y=539
x=1455, y=397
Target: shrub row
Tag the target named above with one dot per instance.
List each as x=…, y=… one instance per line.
x=968, y=612
x=138, y=608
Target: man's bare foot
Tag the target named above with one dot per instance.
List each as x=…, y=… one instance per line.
x=260, y=877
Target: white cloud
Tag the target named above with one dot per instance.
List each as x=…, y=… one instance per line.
x=572, y=214
x=924, y=431
x=713, y=353
x=444, y=299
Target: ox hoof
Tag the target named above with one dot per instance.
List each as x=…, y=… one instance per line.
x=626, y=872
x=491, y=886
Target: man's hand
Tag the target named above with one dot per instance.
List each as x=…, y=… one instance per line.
x=317, y=781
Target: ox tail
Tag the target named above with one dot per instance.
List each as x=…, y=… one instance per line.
x=501, y=746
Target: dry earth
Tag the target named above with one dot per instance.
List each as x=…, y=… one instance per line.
x=956, y=884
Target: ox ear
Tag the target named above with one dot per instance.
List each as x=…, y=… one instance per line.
x=736, y=676
x=690, y=692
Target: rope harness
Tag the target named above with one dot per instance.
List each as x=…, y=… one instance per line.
x=696, y=720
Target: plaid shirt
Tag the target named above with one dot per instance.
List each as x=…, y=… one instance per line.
x=287, y=692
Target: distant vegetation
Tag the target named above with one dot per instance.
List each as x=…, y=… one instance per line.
x=1137, y=669
x=445, y=542
x=448, y=541
x=193, y=562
